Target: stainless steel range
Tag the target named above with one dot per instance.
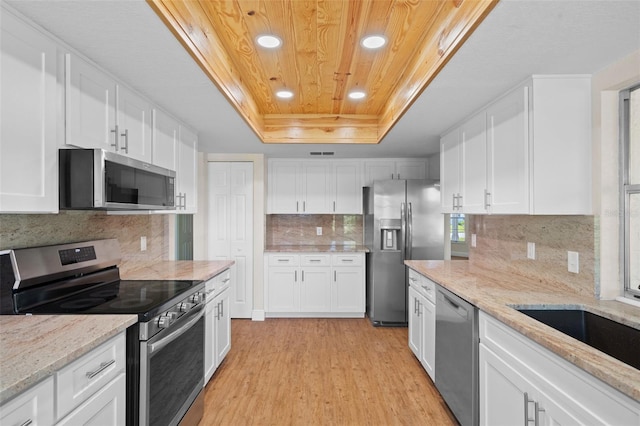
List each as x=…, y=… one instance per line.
x=165, y=349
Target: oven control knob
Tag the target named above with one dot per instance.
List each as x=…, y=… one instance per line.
x=196, y=298
x=185, y=306
x=173, y=315
x=164, y=321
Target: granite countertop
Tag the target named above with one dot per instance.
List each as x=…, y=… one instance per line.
x=33, y=347
x=495, y=293
x=336, y=248
x=174, y=270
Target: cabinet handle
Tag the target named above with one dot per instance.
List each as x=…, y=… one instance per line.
x=453, y=203
x=115, y=138
x=398, y=175
x=103, y=366
x=295, y=276
x=297, y=209
x=536, y=415
x=27, y=423
x=459, y=201
x=391, y=175
x=126, y=141
x=280, y=260
x=334, y=206
x=304, y=206
x=302, y=276
x=487, y=196
x=315, y=260
x=184, y=201
x=347, y=260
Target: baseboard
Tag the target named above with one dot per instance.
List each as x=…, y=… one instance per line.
x=257, y=315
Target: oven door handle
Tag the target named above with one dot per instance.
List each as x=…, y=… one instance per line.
x=156, y=346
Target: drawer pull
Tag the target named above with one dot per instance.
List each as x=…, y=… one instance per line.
x=347, y=260
x=27, y=423
x=280, y=260
x=315, y=260
x=103, y=366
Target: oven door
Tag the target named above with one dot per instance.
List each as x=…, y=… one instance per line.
x=171, y=370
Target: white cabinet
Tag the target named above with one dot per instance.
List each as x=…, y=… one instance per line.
x=422, y=320
x=520, y=378
x=100, y=113
x=29, y=116
x=187, y=172
x=166, y=131
x=532, y=155
x=104, y=408
x=315, y=285
x=394, y=169
x=217, y=338
x=35, y=406
x=314, y=187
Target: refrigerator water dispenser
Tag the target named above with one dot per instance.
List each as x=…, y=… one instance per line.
x=390, y=234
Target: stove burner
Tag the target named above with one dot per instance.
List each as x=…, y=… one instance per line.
x=120, y=304
x=84, y=303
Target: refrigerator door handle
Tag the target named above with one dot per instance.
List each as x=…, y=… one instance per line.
x=409, y=240
x=403, y=231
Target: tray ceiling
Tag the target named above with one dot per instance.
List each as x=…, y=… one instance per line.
x=321, y=59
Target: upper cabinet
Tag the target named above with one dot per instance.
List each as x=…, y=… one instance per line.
x=100, y=113
x=29, y=116
x=314, y=186
x=394, y=169
x=529, y=152
x=187, y=172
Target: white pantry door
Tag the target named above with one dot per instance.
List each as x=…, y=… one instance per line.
x=231, y=228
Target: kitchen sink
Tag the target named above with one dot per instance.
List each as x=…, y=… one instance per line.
x=613, y=338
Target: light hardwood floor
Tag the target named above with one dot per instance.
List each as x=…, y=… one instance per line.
x=321, y=372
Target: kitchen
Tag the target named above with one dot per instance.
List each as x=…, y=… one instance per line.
x=598, y=259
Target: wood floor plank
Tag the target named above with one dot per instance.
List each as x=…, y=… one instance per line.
x=321, y=372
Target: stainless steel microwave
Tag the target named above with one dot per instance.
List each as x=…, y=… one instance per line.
x=98, y=179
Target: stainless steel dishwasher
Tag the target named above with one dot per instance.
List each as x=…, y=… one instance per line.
x=456, y=365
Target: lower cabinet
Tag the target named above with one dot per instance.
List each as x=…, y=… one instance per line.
x=422, y=320
x=523, y=383
x=89, y=391
x=217, y=339
x=315, y=285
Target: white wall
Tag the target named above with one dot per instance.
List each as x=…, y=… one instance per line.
x=606, y=84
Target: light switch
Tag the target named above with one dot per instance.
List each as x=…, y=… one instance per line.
x=573, y=262
x=143, y=243
x=473, y=240
x=319, y=230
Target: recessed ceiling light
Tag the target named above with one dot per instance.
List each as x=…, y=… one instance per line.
x=269, y=41
x=357, y=94
x=284, y=94
x=373, y=41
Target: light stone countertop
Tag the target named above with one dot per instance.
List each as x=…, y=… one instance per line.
x=495, y=294
x=34, y=347
x=336, y=248
x=174, y=270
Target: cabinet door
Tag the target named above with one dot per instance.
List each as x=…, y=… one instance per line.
x=105, y=408
x=428, y=349
x=317, y=195
x=90, y=107
x=165, y=140
x=508, y=153
x=347, y=290
x=415, y=323
x=450, y=171
x=474, y=164
x=283, y=187
x=315, y=290
x=223, y=326
x=28, y=112
x=411, y=169
x=347, y=187
x=209, y=341
x=134, y=125
x=378, y=170
x=283, y=291
x=187, y=171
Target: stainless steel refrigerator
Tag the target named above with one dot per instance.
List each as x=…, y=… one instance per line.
x=402, y=220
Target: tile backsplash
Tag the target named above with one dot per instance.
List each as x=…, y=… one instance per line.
x=18, y=231
x=284, y=229
x=502, y=246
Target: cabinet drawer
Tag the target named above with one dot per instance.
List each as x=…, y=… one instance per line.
x=82, y=378
x=34, y=405
x=429, y=289
x=284, y=260
x=347, y=259
x=314, y=260
x=106, y=407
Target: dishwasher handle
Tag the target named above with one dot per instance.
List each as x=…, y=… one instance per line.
x=455, y=306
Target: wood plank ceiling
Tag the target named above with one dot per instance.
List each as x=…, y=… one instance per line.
x=321, y=59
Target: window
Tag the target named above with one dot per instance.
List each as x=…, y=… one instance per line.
x=457, y=228
x=630, y=184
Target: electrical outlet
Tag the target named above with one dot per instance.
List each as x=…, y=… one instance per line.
x=143, y=243
x=531, y=251
x=473, y=240
x=319, y=230
x=573, y=261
